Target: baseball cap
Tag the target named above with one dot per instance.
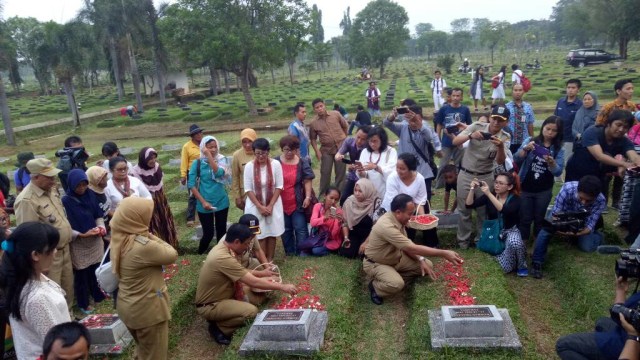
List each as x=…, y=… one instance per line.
x=251, y=221
x=42, y=166
x=501, y=112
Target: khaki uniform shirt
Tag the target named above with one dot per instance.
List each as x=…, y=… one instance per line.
x=608, y=108
x=190, y=152
x=239, y=160
x=387, y=239
x=143, y=299
x=35, y=204
x=245, y=259
x=332, y=130
x=479, y=156
x=221, y=269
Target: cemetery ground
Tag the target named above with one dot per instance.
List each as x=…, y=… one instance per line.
x=576, y=290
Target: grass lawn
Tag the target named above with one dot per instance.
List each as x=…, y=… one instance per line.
x=576, y=290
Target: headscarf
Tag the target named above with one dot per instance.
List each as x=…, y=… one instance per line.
x=355, y=210
x=248, y=134
x=151, y=177
x=82, y=210
x=132, y=218
x=203, y=145
x=95, y=174
x=588, y=116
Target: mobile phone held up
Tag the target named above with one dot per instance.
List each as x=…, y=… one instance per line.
x=333, y=211
x=540, y=151
x=402, y=110
x=486, y=135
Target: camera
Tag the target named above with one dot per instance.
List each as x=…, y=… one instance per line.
x=453, y=129
x=569, y=221
x=402, y=110
x=486, y=135
x=632, y=316
x=628, y=265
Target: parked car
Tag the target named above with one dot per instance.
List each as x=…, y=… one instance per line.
x=582, y=57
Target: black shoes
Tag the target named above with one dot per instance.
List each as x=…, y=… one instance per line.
x=537, y=270
x=375, y=298
x=218, y=335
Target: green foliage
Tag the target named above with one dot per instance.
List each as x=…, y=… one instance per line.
x=379, y=32
x=446, y=62
x=434, y=42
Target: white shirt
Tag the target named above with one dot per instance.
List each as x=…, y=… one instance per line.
x=417, y=190
x=269, y=225
x=437, y=85
x=137, y=186
x=515, y=79
x=43, y=306
x=386, y=160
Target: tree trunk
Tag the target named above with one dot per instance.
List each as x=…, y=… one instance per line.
x=6, y=117
x=492, y=55
x=71, y=100
x=116, y=68
x=291, y=63
x=135, y=75
x=253, y=80
x=623, y=46
x=158, y=64
x=213, y=81
x=273, y=76
x=381, y=71
x=226, y=82
x=244, y=81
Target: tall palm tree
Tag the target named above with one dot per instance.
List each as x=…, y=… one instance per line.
x=5, y=53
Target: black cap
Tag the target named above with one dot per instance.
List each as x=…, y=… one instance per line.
x=251, y=221
x=500, y=111
x=194, y=129
x=24, y=157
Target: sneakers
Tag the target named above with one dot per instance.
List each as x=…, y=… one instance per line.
x=375, y=298
x=524, y=272
x=537, y=270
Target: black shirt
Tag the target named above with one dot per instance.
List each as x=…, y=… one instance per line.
x=538, y=177
x=449, y=187
x=510, y=210
x=363, y=117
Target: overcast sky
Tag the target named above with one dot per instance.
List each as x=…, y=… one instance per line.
x=438, y=13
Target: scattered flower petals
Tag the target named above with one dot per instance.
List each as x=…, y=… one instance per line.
x=457, y=283
x=304, y=299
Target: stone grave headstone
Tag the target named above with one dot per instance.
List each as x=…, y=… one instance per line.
x=127, y=151
x=473, y=326
x=286, y=332
x=108, y=333
x=172, y=147
x=447, y=221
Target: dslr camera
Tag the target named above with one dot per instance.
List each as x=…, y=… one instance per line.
x=569, y=221
x=632, y=316
x=628, y=265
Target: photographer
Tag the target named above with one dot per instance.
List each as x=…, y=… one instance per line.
x=575, y=196
x=610, y=335
x=73, y=156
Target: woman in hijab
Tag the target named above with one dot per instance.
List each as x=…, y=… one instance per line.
x=207, y=178
x=98, y=177
x=586, y=115
x=148, y=170
x=359, y=210
x=87, y=221
x=138, y=258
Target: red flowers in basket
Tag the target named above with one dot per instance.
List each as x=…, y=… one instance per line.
x=457, y=283
x=304, y=299
x=425, y=219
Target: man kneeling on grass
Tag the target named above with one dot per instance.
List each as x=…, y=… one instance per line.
x=224, y=297
x=391, y=258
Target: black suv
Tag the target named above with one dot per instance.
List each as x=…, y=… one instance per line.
x=582, y=57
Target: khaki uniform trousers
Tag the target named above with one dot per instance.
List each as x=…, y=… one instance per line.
x=228, y=314
x=390, y=280
x=465, y=223
x=327, y=162
x=61, y=272
x=152, y=343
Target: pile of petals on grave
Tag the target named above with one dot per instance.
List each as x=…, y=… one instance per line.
x=457, y=283
x=171, y=270
x=304, y=299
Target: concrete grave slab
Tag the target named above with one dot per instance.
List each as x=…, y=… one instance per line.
x=172, y=147
x=127, y=151
x=108, y=333
x=472, y=321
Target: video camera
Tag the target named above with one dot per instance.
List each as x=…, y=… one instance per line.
x=569, y=221
x=628, y=265
x=632, y=316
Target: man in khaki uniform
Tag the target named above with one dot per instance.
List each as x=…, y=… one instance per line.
x=221, y=275
x=40, y=201
x=391, y=258
x=478, y=162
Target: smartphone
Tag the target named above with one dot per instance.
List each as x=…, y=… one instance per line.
x=453, y=129
x=347, y=161
x=358, y=163
x=540, y=151
x=402, y=110
x=486, y=135
x=333, y=211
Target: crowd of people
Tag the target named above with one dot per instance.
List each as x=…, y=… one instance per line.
x=369, y=190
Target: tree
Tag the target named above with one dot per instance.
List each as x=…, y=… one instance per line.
x=27, y=33
x=5, y=54
x=317, y=31
x=623, y=26
x=460, y=41
x=379, y=32
x=459, y=25
x=434, y=42
x=158, y=51
x=423, y=28
x=493, y=34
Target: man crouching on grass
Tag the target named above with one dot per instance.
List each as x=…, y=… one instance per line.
x=391, y=258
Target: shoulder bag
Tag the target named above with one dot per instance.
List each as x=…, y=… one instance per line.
x=429, y=160
x=107, y=280
x=491, y=240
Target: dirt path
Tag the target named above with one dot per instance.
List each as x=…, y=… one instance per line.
x=196, y=343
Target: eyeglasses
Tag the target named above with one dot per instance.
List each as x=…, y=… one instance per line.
x=124, y=169
x=261, y=153
x=287, y=150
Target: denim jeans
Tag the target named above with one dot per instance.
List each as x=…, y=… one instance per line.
x=352, y=125
x=586, y=243
x=533, y=209
x=191, y=207
x=316, y=251
x=295, y=231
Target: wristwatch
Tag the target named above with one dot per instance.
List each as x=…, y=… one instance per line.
x=421, y=258
x=635, y=338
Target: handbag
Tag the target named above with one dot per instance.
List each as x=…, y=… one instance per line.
x=495, y=83
x=107, y=280
x=317, y=238
x=491, y=240
x=309, y=209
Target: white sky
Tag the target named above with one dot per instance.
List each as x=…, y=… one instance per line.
x=438, y=13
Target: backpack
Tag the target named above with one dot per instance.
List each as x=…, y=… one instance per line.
x=526, y=83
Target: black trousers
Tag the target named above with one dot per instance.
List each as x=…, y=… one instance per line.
x=357, y=236
x=583, y=346
x=216, y=220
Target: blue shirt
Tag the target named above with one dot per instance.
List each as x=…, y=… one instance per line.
x=212, y=187
x=567, y=200
x=421, y=137
x=519, y=120
x=297, y=129
x=448, y=116
x=567, y=112
x=21, y=181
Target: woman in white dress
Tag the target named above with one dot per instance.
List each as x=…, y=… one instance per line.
x=122, y=185
x=498, y=92
x=263, y=183
x=476, y=89
x=378, y=159
x=33, y=302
